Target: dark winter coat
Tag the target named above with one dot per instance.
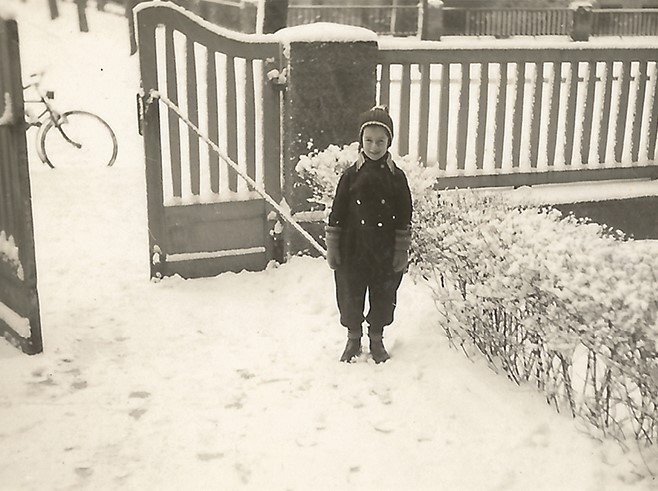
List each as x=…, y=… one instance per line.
x=372, y=201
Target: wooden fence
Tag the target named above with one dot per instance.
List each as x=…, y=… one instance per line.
x=397, y=20
x=19, y=303
x=513, y=116
x=460, y=21
x=508, y=22
x=627, y=22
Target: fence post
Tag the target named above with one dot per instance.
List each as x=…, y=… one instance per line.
x=432, y=23
x=82, y=15
x=54, y=9
x=329, y=83
x=275, y=15
x=583, y=20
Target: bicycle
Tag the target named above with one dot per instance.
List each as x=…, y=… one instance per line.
x=70, y=137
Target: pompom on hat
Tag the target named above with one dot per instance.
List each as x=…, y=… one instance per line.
x=377, y=116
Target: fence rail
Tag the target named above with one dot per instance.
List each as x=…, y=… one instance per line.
x=495, y=112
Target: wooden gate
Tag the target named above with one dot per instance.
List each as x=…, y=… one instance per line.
x=203, y=218
x=19, y=302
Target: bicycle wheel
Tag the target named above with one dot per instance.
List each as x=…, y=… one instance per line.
x=80, y=139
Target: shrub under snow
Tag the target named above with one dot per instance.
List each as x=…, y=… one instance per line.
x=553, y=300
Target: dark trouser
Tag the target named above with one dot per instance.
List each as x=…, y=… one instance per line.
x=351, y=287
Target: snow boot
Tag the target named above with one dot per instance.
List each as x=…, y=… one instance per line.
x=353, y=346
x=377, y=349
x=352, y=350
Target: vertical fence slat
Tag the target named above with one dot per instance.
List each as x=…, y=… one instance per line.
x=424, y=109
x=213, y=120
x=517, y=124
x=232, y=121
x=444, y=116
x=570, y=126
x=536, y=113
x=193, y=115
x=271, y=139
x=605, y=112
x=652, y=151
x=462, y=121
x=174, y=125
x=385, y=85
x=639, y=110
x=588, y=113
x=405, y=98
x=556, y=84
x=482, y=115
x=250, y=120
x=501, y=103
x=622, y=113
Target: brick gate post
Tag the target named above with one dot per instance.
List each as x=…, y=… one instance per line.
x=330, y=74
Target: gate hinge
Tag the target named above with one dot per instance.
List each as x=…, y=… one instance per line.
x=144, y=103
x=278, y=78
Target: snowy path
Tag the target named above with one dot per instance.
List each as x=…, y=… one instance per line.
x=233, y=382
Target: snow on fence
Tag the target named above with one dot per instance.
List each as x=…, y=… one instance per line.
x=500, y=112
x=19, y=306
x=220, y=88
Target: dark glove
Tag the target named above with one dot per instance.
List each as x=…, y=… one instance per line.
x=401, y=254
x=332, y=238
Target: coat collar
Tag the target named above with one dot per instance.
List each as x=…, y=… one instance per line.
x=362, y=160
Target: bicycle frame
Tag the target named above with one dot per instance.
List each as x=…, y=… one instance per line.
x=49, y=111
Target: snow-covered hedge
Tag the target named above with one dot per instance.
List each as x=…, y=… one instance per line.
x=559, y=302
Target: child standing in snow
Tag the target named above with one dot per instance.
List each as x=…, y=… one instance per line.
x=368, y=236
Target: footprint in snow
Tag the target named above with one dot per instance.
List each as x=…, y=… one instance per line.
x=79, y=385
x=136, y=414
x=384, y=426
x=139, y=394
x=84, y=471
x=207, y=456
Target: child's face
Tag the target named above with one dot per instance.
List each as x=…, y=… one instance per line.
x=375, y=141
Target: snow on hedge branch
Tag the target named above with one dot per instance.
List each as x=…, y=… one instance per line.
x=558, y=301
x=320, y=171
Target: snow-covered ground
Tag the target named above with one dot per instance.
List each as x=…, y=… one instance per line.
x=233, y=382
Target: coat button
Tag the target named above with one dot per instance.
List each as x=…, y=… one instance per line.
x=383, y=201
x=380, y=224
x=363, y=222
x=358, y=201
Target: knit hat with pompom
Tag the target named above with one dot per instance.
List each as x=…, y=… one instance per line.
x=377, y=116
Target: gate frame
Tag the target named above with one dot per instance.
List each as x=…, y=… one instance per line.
x=163, y=219
x=18, y=288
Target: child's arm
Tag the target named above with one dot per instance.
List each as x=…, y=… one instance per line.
x=403, y=232
x=337, y=218
x=338, y=213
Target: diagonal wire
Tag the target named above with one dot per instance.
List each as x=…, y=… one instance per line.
x=285, y=214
